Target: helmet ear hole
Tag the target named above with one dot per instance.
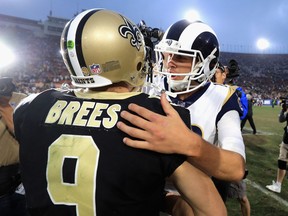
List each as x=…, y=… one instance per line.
x=209, y=63
x=139, y=66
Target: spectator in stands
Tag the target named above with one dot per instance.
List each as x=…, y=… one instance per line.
x=283, y=153
x=42, y=67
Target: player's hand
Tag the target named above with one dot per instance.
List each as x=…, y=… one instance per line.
x=156, y=132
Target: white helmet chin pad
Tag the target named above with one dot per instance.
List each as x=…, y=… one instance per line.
x=178, y=85
x=185, y=85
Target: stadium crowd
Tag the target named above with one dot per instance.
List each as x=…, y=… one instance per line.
x=39, y=66
x=264, y=76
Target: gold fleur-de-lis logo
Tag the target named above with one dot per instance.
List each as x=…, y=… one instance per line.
x=130, y=28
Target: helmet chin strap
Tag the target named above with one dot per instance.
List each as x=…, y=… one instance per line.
x=180, y=85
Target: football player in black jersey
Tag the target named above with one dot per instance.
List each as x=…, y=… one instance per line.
x=72, y=155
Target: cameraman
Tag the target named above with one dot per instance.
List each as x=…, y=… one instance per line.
x=232, y=72
x=283, y=152
x=12, y=199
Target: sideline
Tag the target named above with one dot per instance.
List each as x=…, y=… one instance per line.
x=248, y=132
x=267, y=192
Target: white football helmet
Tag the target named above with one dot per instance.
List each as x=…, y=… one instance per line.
x=100, y=47
x=193, y=39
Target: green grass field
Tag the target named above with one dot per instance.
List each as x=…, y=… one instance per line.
x=262, y=152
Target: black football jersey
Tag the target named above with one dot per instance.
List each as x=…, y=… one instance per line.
x=74, y=162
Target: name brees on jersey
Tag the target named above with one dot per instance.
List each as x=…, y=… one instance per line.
x=86, y=114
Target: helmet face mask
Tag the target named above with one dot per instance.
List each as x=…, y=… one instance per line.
x=101, y=47
x=195, y=40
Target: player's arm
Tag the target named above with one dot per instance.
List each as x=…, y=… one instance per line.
x=231, y=151
x=169, y=134
x=175, y=205
x=198, y=190
x=220, y=163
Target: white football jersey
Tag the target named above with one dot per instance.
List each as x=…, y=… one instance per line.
x=214, y=111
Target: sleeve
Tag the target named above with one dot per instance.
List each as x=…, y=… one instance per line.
x=229, y=133
x=171, y=162
x=19, y=114
x=232, y=103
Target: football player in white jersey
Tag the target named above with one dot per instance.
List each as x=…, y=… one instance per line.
x=186, y=59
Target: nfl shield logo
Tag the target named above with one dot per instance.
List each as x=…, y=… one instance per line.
x=95, y=69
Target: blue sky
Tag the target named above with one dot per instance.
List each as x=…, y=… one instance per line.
x=238, y=24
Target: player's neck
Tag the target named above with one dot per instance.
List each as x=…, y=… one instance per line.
x=184, y=96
